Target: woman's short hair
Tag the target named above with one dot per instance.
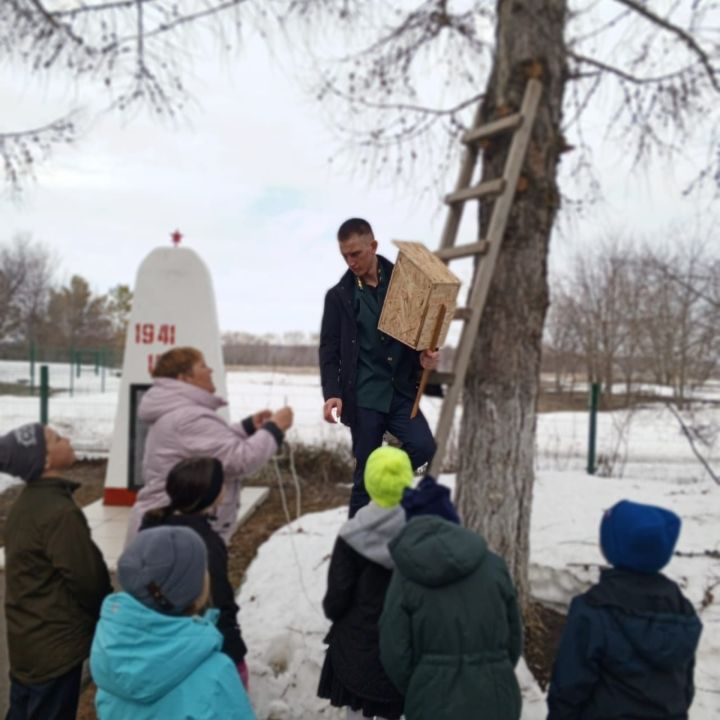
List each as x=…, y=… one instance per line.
x=176, y=362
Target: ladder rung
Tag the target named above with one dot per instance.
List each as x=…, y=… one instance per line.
x=510, y=122
x=441, y=378
x=460, y=251
x=462, y=313
x=489, y=187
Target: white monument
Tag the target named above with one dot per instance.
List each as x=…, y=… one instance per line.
x=173, y=305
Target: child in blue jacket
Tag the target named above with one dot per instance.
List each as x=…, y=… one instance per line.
x=156, y=654
x=628, y=648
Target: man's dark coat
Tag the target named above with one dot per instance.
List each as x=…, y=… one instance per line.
x=339, y=346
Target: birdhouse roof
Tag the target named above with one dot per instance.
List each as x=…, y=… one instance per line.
x=427, y=262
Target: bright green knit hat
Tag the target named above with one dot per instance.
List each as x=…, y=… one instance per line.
x=387, y=473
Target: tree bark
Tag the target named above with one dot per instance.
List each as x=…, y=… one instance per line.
x=497, y=436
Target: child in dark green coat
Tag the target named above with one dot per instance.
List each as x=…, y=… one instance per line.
x=55, y=578
x=450, y=630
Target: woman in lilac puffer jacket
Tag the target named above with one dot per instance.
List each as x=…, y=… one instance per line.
x=181, y=410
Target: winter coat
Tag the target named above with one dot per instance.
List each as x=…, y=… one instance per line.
x=184, y=424
x=450, y=631
x=339, y=347
x=55, y=582
x=147, y=665
x=358, y=578
x=627, y=651
x=221, y=591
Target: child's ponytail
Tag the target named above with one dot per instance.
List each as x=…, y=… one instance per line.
x=158, y=516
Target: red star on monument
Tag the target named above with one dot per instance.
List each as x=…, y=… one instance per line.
x=176, y=237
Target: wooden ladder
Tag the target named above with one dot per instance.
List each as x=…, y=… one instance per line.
x=486, y=250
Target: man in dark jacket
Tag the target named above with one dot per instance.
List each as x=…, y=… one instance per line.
x=450, y=630
x=369, y=380
x=55, y=578
x=628, y=648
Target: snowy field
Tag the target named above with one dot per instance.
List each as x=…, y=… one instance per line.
x=643, y=451
x=648, y=437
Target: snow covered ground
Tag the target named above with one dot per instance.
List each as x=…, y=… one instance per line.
x=283, y=624
x=643, y=451
x=647, y=436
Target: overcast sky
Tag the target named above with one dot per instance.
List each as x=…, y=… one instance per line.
x=246, y=179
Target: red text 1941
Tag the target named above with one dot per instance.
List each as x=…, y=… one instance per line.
x=148, y=333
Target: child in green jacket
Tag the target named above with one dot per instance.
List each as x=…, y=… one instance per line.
x=55, y=578
x=450, y=630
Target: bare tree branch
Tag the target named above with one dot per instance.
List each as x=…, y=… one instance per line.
x=688, y=39
x=605, y=67
x=687, y=432
x=406, y=107
x=100, y=7
x=166, y=27
x=19, y=150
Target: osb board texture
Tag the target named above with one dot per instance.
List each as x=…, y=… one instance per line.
x=432, y=267
x=412, y=305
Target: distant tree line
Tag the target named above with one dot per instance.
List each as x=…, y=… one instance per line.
x=622, y=315
x=290, y=349
x=37, y=309
x=626, y=315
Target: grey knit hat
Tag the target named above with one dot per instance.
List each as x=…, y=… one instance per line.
x=23, y=452
x=164, y=568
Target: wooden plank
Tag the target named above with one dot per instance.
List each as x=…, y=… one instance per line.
x=441, y=378
x=461, y=251
x=510, y=122
x=486, y=269
x=426, y=373
x=465, y=176
x=483, y=189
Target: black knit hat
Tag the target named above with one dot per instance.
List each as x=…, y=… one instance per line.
x=23, y=452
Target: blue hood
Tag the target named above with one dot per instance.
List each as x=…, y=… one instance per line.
x=140, y=655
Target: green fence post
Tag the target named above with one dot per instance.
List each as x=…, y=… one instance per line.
x=44, y=393
x=592, y=438
x=72, y=371
x=103, y=364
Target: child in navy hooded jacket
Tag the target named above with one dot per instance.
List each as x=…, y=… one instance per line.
x=628, y=649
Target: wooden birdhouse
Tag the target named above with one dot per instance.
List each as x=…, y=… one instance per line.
x=421, y=290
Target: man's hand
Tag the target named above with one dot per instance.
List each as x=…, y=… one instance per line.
x=283, y=418
x=429, y=359
x=329, y=406
x=260, y=417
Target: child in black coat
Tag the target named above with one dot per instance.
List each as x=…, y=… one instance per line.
x=360, y=572
x=195, y=489
x=628, y=648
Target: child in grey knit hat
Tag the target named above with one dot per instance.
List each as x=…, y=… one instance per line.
x=157, y=652
x=55, y=577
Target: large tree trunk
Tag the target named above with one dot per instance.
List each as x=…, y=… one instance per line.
x=497, y=436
